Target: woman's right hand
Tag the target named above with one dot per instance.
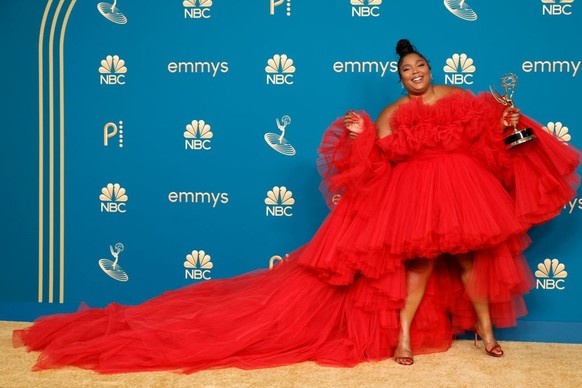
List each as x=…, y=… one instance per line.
x=354, y=122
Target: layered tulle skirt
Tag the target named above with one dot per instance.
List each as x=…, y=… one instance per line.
x=336, y=300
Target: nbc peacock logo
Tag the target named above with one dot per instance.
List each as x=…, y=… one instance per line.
x=461, y=9
x=459, y=70
x=112, y=71
x=280, y=70
x=197, y=136
x=197, y=9
x=559, y=130
x=557, y=7
x=113, y=198
x=277, y=141
x=279, y=202
x=112, y=268
x=551, y=275
x=365, y=8
x=198, y=265
x=111, y=12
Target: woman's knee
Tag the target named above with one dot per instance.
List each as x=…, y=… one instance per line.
x=465, y=261
x=419, y=266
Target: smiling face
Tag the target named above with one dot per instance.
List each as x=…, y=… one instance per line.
x=415, y=74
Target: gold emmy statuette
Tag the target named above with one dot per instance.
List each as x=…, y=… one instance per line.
x=518, y=136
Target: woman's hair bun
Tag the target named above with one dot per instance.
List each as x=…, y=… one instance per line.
x=404, y=47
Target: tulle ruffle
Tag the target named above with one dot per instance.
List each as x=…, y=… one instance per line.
x=349, y=165
x=263, y=319
x=443, y=184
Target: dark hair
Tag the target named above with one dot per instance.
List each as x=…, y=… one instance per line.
x=403, y=48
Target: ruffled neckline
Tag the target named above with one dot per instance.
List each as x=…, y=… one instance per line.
x=420, y=100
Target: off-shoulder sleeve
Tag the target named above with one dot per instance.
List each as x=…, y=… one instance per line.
x=540, y=175
x=349, y=165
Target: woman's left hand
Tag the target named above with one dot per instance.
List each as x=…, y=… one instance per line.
x=510, y=117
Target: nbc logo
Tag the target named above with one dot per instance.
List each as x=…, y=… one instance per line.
x=112, y=71
x=197, y=136
x=112, y=268
x=200, y=11
x=277, y=141
x=112, y=13
x=113, y=198
x=459, y=69
x=111, y=130
x=558, y=130
x=276, y=3
x=280, y=70
x=198, y=265
x=461, y=10
x=551, y=275
x=365, y=8
x=557, y=7
x=279, y=202
x=274, y=260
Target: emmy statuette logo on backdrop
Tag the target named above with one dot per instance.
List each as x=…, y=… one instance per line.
x=459, y=70
x=277, y=141
x=461, y=9
x=279, y=202
x=551, y=275
x=112, y=268
x=111, y=130
x=198, y=265
x=112, y=13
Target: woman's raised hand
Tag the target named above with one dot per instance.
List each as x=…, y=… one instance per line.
x=510, y=116
x=354, y=122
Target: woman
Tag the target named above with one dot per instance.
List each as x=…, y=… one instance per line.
x=446, y=149
x=430, y=225
x=415, y=76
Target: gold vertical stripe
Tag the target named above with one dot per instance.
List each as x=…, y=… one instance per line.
x=41, y=154
x=52, y=154
x=62, y=158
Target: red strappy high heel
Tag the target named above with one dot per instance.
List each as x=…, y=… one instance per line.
x=495, y=351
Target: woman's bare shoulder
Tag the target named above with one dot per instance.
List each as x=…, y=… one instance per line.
x=383, y=121
x=388, y=110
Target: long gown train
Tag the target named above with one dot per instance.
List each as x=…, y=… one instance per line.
x=442, y=184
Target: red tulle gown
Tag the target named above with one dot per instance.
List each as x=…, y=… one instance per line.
x=442, y=184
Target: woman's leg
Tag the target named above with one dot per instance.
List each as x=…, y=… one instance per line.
x=417, y=274
x=483, y=325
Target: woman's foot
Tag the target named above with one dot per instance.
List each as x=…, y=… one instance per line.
x=492, y=348
x=402, y=353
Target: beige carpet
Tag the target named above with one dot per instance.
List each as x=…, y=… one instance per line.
x=524, y=365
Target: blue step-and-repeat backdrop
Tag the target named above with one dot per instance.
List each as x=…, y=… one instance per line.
x=148, y=145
